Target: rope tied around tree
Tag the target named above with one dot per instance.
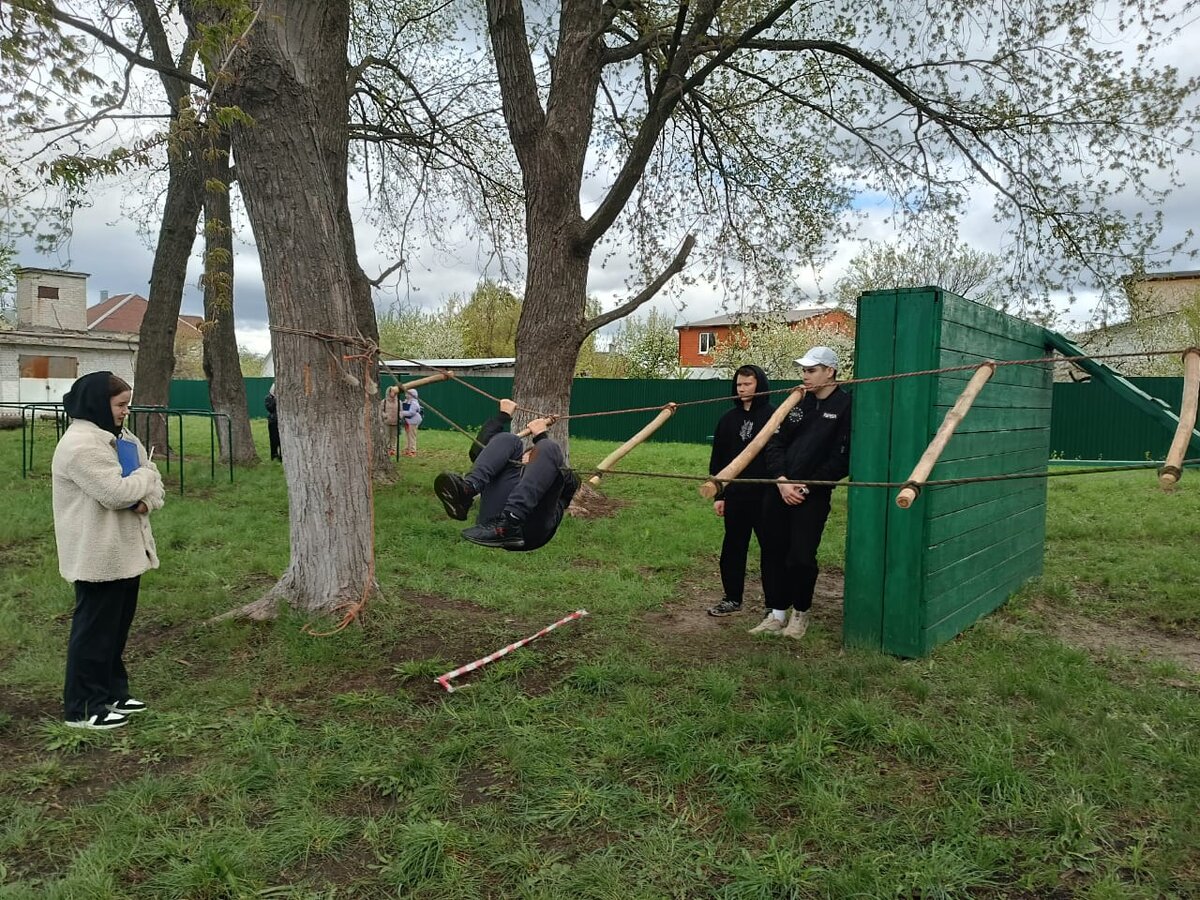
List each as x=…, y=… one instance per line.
x=368, y=352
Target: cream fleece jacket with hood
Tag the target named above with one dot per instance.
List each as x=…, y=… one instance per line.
x=99, y=537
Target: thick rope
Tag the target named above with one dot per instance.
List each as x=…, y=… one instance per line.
x=451, y=376
x=943, y=482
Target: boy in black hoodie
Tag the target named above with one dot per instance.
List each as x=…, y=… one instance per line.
x=523, y=494
x=739, y=505
x=812, y=442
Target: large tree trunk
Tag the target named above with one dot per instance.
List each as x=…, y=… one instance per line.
x=222, y=365
x=336, y=140
x=156, y=344
x=551, y=147
x=290, y=77
x=550, y=330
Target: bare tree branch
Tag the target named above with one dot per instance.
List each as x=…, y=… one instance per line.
x=376, y=282
x=648, y=292
x=518, y=85
x=41, y=7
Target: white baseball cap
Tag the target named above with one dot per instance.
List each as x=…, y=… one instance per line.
x=818, y=356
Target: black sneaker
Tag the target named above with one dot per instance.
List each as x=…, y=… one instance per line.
x=725, y=608
x=454, y=492
x=500, y=532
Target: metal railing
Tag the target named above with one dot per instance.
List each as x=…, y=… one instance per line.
x=29, y=416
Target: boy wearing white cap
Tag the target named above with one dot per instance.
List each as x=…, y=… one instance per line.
x=813, y=442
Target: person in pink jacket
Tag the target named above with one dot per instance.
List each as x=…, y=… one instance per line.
x=411, y=410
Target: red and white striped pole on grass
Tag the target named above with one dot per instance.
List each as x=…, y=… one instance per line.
x=444, y=680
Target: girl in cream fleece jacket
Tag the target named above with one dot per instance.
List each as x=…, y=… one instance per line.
x=102, y=529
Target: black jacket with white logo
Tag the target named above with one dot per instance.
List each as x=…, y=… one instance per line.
x=735, y=430
x=814, y=441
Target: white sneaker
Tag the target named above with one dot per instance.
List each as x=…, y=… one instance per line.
x=796, y=626
x=769, y=625
x=127, y=706
x=105, y=721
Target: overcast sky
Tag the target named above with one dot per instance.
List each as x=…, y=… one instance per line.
x=106, y=244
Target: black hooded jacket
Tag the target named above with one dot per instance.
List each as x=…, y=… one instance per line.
x=813, y=441
x=735, y=430
x=90, y=399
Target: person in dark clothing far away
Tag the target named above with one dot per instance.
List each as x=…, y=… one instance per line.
x=272, y=406
x=523, y=494
x=813, y=442
x=740, y=506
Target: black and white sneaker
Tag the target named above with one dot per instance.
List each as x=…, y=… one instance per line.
x=725, y=608
x=105, y=721
x=127, y=706
x=454, y=492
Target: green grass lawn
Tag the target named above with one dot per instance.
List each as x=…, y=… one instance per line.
x=648, y=751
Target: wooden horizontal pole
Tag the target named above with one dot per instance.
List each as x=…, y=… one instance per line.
x=920, y=472
x=613, y=458
x=525, y=432
x=428, y=379
x=737, y=466
x=1172, y=470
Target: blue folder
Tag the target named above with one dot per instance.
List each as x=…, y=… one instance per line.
x=127, y=453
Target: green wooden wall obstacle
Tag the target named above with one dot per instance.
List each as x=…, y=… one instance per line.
x=917, y=577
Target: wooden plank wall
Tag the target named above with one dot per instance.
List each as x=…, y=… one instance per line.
x=984, y=540
x=917, y=577
x=870, y=454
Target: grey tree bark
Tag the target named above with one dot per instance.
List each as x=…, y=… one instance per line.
x=289, y=76
x=222, y=365
x=551, y=146
x=176, y=237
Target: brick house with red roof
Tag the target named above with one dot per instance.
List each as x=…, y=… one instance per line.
x=123, y=314
x=697, y=340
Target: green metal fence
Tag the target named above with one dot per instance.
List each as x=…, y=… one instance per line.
x=1087, y=422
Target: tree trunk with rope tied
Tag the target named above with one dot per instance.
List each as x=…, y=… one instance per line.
x=289, y=76
x=551, y=146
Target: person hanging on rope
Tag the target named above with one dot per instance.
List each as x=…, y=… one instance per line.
x=740, y=506
x=813, y=442
x=523, y=494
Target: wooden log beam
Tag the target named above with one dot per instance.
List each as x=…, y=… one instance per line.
x=920, y=472
x=737, y=466
x=613, y=458
x=525, y=432
x=1172, y=470
x=428, y=379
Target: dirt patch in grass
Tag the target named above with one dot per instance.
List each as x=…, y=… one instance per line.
x=685, y=620
x=589, y=503
x=1100, y=637
x=482, y=784
x=22, y=553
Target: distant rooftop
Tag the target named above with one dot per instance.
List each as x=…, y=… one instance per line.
x=34, y=270
x=124, y=313
x=790, y=315
x=1166, y=276
x=491, y=362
